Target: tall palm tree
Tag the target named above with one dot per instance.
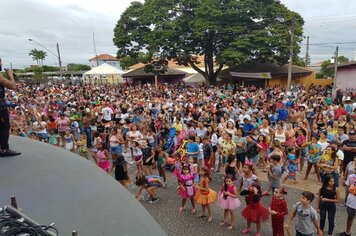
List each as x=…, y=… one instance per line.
x=38, y=55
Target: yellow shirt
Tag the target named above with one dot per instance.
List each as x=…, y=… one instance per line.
x=178, y=126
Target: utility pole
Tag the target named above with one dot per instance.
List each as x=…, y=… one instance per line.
x=290, y=65
x=96, y=54
x=59, y=62
x=335, y=66
x=307, y=53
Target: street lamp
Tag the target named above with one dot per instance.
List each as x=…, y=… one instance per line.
x=58, y=55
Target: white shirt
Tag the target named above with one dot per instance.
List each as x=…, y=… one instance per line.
x=351, y=199
x=38, y=126
x=107, y=111
x=340, y=155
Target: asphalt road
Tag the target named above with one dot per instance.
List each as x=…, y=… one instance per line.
x=165, y=211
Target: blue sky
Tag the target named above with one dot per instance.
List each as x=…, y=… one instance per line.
x=71, y=24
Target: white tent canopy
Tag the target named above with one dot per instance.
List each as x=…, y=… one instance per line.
x=196, y=78
x=104, y=69
x=104, y=73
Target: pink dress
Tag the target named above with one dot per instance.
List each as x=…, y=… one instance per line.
x=228, y=203
x=103, y=163
x=188, y=182
x=177, y=169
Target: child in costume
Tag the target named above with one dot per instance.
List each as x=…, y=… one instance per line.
x=187, y=188
x=121, y=170
x=254, y=212
x=102, y=158
x=137, y=155
x=292, y=167
x=204, y=195
x=177, y=167
x=228, y=201
x=161, y=162
x=278, y=209
x=247, y=179
x=193, y=168
x=82, y=146
x=313, y=157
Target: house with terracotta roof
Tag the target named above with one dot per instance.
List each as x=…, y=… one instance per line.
x=316, y=66
x=104, y=58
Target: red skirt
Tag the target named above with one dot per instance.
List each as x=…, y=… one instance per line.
x=255, y=212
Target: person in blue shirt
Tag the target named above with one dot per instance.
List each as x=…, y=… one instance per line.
x=192, y=148
x=289, y=103
x=248, y=127
x=282, y=113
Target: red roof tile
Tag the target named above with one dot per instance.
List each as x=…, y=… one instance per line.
x=104, y=57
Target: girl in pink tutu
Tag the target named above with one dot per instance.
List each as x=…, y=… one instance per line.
x=187, y=188
x=228, y=201
x=102, y=158
x=254, y=212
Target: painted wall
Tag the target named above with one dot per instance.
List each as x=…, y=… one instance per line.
x=346, y=77
x=306, y=80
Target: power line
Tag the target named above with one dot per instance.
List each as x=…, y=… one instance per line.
x=329, y=16
x=326, y=53
x=313, y=36
x=329, y=43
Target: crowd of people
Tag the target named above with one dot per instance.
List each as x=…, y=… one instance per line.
x=241, y=132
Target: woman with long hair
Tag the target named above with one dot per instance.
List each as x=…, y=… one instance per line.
x=328, y=196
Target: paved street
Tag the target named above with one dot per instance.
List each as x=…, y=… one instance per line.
x=165, y=211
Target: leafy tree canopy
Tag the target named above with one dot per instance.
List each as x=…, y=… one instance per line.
x=327, y=67
x=38, y=55
x=77, y=67
x=127, y=61
x=44, y=68
x=225, y=32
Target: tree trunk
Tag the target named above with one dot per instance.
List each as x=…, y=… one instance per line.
x=209, y=74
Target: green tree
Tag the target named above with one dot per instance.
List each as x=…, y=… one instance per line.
x=128, y=60
x=327, y=68
x=299, y=61
x=77, y=67
x=38, y=55
x=225, y=32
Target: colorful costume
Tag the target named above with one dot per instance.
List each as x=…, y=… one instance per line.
x=83, y=150
x=292, y=166
x=255, y=211
x=177, y=168
x=314, y=157
x=188, y=191
x=280, y=206
x=228, y=202
x=103, y=162
x=205, y=197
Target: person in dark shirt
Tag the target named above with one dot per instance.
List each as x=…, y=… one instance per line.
x=207, y=152
x=9, y=83
x=349, y=149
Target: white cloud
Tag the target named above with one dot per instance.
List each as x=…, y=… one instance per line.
x=71, y=23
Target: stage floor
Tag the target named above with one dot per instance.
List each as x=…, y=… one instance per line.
x=55, y=185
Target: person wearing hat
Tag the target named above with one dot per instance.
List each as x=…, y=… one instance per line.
x=349, y=149
x=9, y=83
